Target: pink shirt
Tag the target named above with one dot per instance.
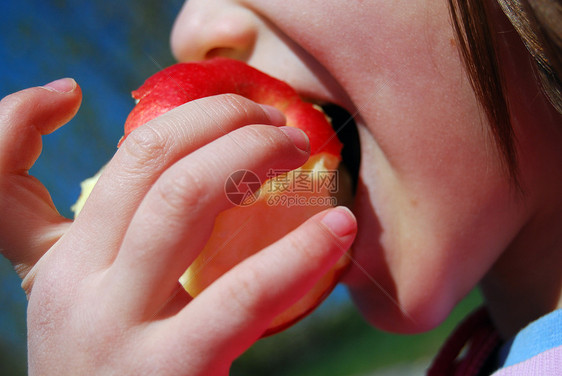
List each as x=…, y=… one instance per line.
x=535, y=350
x=548, y=363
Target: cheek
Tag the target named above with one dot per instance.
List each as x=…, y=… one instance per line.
x=437, y=208
x=431, y=138
x=432, y=129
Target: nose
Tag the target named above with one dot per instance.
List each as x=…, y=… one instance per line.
x=207, y=28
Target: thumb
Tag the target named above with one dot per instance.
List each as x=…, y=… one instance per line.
x=30, y=223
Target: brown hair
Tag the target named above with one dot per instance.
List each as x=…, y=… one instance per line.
x=539, y=24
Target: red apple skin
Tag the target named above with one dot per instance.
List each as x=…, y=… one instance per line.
x=185, y=82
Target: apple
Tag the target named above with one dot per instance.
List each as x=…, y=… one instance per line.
x=259, y=217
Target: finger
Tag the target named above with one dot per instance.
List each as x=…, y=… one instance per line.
x=27, y=115
x=150, y=150
x=176, y=217
x=30, y=223
x=236, y=309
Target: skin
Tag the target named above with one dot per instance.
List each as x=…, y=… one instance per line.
x=435, y=210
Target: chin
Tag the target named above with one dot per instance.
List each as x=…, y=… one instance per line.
x=400, y=316
x=410, y=305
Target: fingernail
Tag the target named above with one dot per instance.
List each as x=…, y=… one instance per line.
x=340, y=221
x=299, y=138
x=276, y=116
x=64, y=85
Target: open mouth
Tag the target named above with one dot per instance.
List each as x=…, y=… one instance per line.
x=346, y=129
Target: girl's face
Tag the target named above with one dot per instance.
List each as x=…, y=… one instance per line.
x=434, y=207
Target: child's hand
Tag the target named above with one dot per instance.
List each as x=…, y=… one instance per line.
x=105, y=298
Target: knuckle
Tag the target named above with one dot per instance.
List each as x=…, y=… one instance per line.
x=245, y=294
x=236, y=105
x=242, y=109
x=309, y=245
x=12, y=105
x=145, y=144
x=185, y=191
x=267, y=137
